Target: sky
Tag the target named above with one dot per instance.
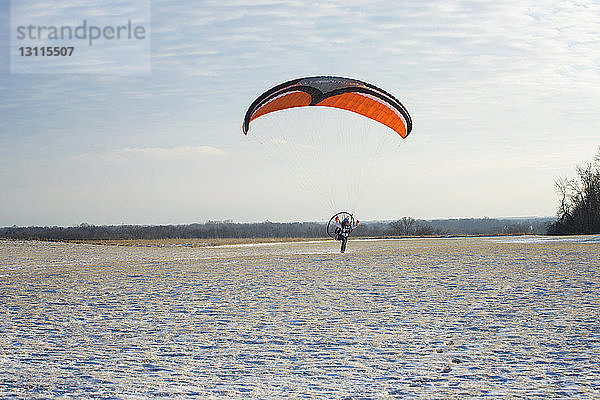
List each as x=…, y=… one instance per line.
x=503, y=96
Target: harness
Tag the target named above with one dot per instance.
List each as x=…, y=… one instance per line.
x=344, y=230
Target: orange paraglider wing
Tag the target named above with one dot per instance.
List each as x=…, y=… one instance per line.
x=337, y=92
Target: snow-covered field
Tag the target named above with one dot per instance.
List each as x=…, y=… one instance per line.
x=515, y=318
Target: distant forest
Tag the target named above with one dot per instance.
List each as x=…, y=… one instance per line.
x=405, y=226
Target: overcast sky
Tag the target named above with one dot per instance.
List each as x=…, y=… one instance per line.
x=504, y=97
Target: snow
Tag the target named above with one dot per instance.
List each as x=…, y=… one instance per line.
x=550, y=239
x=446, y=318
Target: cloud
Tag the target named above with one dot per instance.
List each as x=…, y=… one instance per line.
x=157, y=153
x=174, y=152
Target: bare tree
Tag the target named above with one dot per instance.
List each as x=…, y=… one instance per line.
x=403, y=226
x=579, y=209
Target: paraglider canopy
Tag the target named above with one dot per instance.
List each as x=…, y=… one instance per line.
x=337, y=92
x=330, y=132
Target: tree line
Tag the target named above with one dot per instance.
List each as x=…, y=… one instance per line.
x=406, y=226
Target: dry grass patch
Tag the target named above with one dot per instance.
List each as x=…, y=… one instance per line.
x=194, y=242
